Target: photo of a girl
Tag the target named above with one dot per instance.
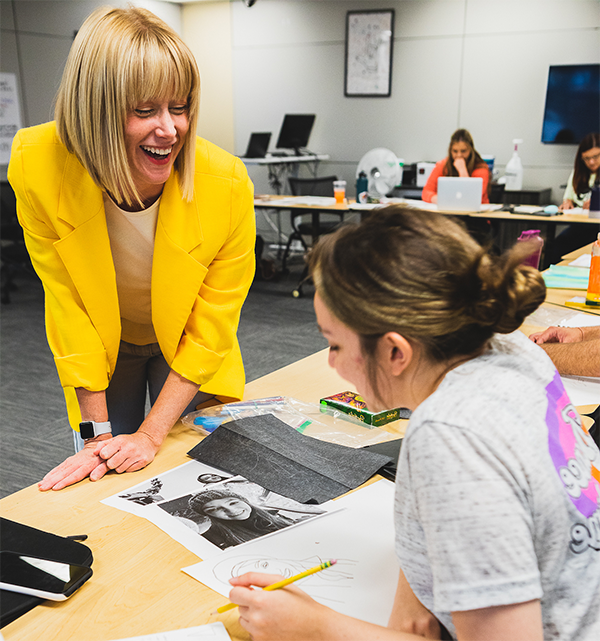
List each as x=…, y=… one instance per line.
x=227, y=518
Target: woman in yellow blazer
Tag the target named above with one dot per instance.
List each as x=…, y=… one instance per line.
x=143, y=236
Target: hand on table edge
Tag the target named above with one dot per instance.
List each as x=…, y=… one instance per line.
x=128, y=452
x=85, y=463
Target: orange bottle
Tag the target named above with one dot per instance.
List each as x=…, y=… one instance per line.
x=593, y=292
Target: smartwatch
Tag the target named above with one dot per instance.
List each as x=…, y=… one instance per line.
x=90, y=429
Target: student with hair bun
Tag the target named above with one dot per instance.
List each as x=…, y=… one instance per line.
x=496, y=509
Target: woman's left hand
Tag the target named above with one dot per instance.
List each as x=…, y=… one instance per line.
x=128, y=452
x=286, y=614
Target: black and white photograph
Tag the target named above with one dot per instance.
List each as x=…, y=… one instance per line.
x=237, y=511
x=208, y=510
x=189, y=477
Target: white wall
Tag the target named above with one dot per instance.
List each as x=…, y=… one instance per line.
x=479, y=64
x=207, y=31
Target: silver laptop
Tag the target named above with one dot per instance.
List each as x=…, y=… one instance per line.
x=459, y=194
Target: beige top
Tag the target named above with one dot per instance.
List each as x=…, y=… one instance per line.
x=132, y=244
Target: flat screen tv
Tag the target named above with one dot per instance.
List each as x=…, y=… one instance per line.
x=572, y=103
x=295, y=131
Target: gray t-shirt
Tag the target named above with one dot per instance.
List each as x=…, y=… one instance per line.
x=497, y=494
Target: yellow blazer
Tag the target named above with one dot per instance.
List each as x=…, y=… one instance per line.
x=202, y=268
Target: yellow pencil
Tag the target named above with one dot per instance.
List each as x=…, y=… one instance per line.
x=281, y=584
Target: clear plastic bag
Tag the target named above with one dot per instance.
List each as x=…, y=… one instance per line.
x=307, y=418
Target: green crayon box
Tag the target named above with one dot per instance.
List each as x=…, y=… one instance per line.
x=354, y=405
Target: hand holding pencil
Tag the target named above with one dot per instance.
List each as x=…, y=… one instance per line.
x=283, y=583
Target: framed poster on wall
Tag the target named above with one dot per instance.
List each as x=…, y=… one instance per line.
x=369, y=44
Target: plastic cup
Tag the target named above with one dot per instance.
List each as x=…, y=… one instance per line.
x=339, y=191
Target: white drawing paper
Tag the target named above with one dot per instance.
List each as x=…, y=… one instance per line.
x=360, y=537
x=582, y=390
x=210, y=632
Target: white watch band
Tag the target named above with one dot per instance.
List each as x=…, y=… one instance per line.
x=91, y=429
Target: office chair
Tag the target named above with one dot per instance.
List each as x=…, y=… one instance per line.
x=14, y=254
x=303, y=223
x=313, y=223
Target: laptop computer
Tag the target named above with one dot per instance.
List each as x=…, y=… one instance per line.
x=459, y=194
x=257, y=145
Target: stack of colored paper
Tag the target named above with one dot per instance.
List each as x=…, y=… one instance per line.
x=566, y=277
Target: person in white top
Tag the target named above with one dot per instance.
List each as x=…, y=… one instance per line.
x=584, y=174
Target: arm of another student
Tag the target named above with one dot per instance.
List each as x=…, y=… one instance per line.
x=429, y=194
x=483, y=173
x=574, y=350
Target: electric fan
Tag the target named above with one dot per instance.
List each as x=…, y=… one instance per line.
x=382, y=170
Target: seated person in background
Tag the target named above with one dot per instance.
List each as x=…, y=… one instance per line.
x=463, y=161
x=584, y=174
x=491, y=538
x=577, y=194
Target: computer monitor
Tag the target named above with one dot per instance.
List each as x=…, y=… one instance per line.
x=295, y=131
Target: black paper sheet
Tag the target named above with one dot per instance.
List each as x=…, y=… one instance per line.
x=269, y=452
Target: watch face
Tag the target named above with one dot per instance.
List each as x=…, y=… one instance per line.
x=86, y=430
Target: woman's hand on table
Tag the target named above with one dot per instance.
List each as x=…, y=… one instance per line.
x=566, y=204
x=128, y=452
x=286, y=614
x=558, y=335
x=77, y=467
x=124, y=453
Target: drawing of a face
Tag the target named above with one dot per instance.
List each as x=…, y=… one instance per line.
x=271, y=566
x=228, y=509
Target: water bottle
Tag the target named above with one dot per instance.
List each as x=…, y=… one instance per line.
x=593, y=291
x=532, y=236
x=362, y=187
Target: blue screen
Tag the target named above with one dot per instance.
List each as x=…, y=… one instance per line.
x=572, y=103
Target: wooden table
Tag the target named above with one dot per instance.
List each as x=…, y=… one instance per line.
x=138, y=586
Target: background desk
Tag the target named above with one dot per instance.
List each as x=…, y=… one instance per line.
x=280, y=167
x=504, y=218
x=138, y=587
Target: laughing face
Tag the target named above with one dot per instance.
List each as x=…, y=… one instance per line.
x=154, y=135
x=228, y=509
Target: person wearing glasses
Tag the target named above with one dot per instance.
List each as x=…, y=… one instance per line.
x=584, y=174
x=577, y=195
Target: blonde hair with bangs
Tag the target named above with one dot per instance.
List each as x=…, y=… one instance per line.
x=119, y=59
